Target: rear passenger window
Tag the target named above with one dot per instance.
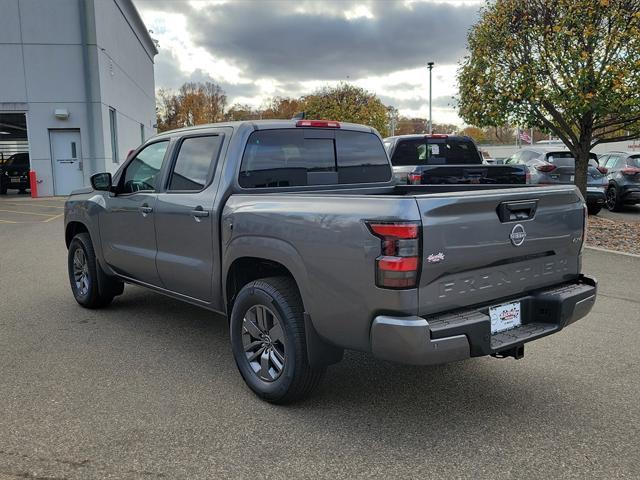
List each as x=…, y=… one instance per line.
x=611, y=162
x=300, y=157
x=361, y=158
x=196, y=158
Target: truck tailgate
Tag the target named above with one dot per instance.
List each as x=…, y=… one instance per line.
x=489, y=245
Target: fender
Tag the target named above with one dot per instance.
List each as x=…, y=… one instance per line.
x=87, y=211
x=320, y=352
x=268, y=248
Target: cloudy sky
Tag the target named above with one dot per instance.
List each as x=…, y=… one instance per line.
x=256, y=49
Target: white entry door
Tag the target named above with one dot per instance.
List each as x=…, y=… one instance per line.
x=66, y=155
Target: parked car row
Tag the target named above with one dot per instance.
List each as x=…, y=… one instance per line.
x=613, y=179
x=553, y=165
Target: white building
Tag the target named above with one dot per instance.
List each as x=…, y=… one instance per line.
x=76, y=88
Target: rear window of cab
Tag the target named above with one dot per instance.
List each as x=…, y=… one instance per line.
x=308, y=156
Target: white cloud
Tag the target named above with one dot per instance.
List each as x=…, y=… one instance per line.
x=198, y=42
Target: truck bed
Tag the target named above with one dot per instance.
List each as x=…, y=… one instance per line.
x=324, y=239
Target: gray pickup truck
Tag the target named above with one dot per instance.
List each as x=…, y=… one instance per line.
x=297, y=233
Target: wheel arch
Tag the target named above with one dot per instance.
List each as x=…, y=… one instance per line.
x=275, y=258
x=72, y=229
x=244, y=270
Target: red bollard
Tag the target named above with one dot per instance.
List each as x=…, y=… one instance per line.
x=33, y=184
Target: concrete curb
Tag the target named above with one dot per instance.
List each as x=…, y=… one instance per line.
x=606, y=250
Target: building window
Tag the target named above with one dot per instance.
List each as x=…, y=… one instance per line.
x=113, y=124
x=141, y=133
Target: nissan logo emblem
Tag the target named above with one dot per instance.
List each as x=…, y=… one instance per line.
x=517, y=235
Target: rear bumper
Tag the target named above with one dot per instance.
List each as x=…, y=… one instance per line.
x=630, y=193
x=595, y=196
x=466, y=333
x=23, y=183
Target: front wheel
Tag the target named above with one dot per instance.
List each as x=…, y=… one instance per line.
x=268, y=341
x=613, y=201
x=83, y=273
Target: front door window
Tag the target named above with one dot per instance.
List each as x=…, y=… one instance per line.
x=142, y=172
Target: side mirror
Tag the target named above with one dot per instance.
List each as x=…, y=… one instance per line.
x=101, y=181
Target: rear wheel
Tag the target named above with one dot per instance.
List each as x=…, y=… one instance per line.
x=268, y=341
x=594, y=209
x=613, y=199
x=83, y=273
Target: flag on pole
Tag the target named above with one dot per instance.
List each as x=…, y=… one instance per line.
x=524, y=136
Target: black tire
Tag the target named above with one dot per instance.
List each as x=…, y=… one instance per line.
x=3, y=189
x=594, y=209
x=614, y=204
x=85, y=289
x=280, y=298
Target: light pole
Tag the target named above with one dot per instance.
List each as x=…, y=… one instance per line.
x=430, y=65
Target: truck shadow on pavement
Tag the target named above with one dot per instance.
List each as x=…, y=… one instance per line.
x=361, y=395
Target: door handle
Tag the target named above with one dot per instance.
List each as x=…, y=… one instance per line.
x=199, y=212
x=145, y=210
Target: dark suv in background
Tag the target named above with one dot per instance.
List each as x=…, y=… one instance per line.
x=623, y=179
x=548, y=166
x=14, y=173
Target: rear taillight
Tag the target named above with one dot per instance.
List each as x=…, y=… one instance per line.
x=545, y=167
x=603, y=170
x=414, y=178
x=630, y=171
x=398, y=264
x=318, y=123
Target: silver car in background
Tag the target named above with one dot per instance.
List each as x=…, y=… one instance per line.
x=553, y=165
x=623, y=178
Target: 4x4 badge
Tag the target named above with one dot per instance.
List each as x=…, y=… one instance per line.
x=517, y=235
x=435, y=257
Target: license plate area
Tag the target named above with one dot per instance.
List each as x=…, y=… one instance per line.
x=14, y=179
x=505, y=317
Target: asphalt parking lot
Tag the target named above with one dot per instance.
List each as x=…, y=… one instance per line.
x=629, y=213
x=21, y=209
x=148, y=389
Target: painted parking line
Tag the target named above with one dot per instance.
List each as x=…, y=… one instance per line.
x=17, y=204
x=26, y=213
x=9, y=221
x=53, y=218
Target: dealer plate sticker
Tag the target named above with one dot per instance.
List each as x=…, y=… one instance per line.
x=505, y=317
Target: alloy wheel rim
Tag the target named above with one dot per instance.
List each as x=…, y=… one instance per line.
x=81, y=271
x=611, y=198
x=263, y=341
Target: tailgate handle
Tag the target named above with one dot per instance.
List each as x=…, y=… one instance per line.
x=515, y=211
